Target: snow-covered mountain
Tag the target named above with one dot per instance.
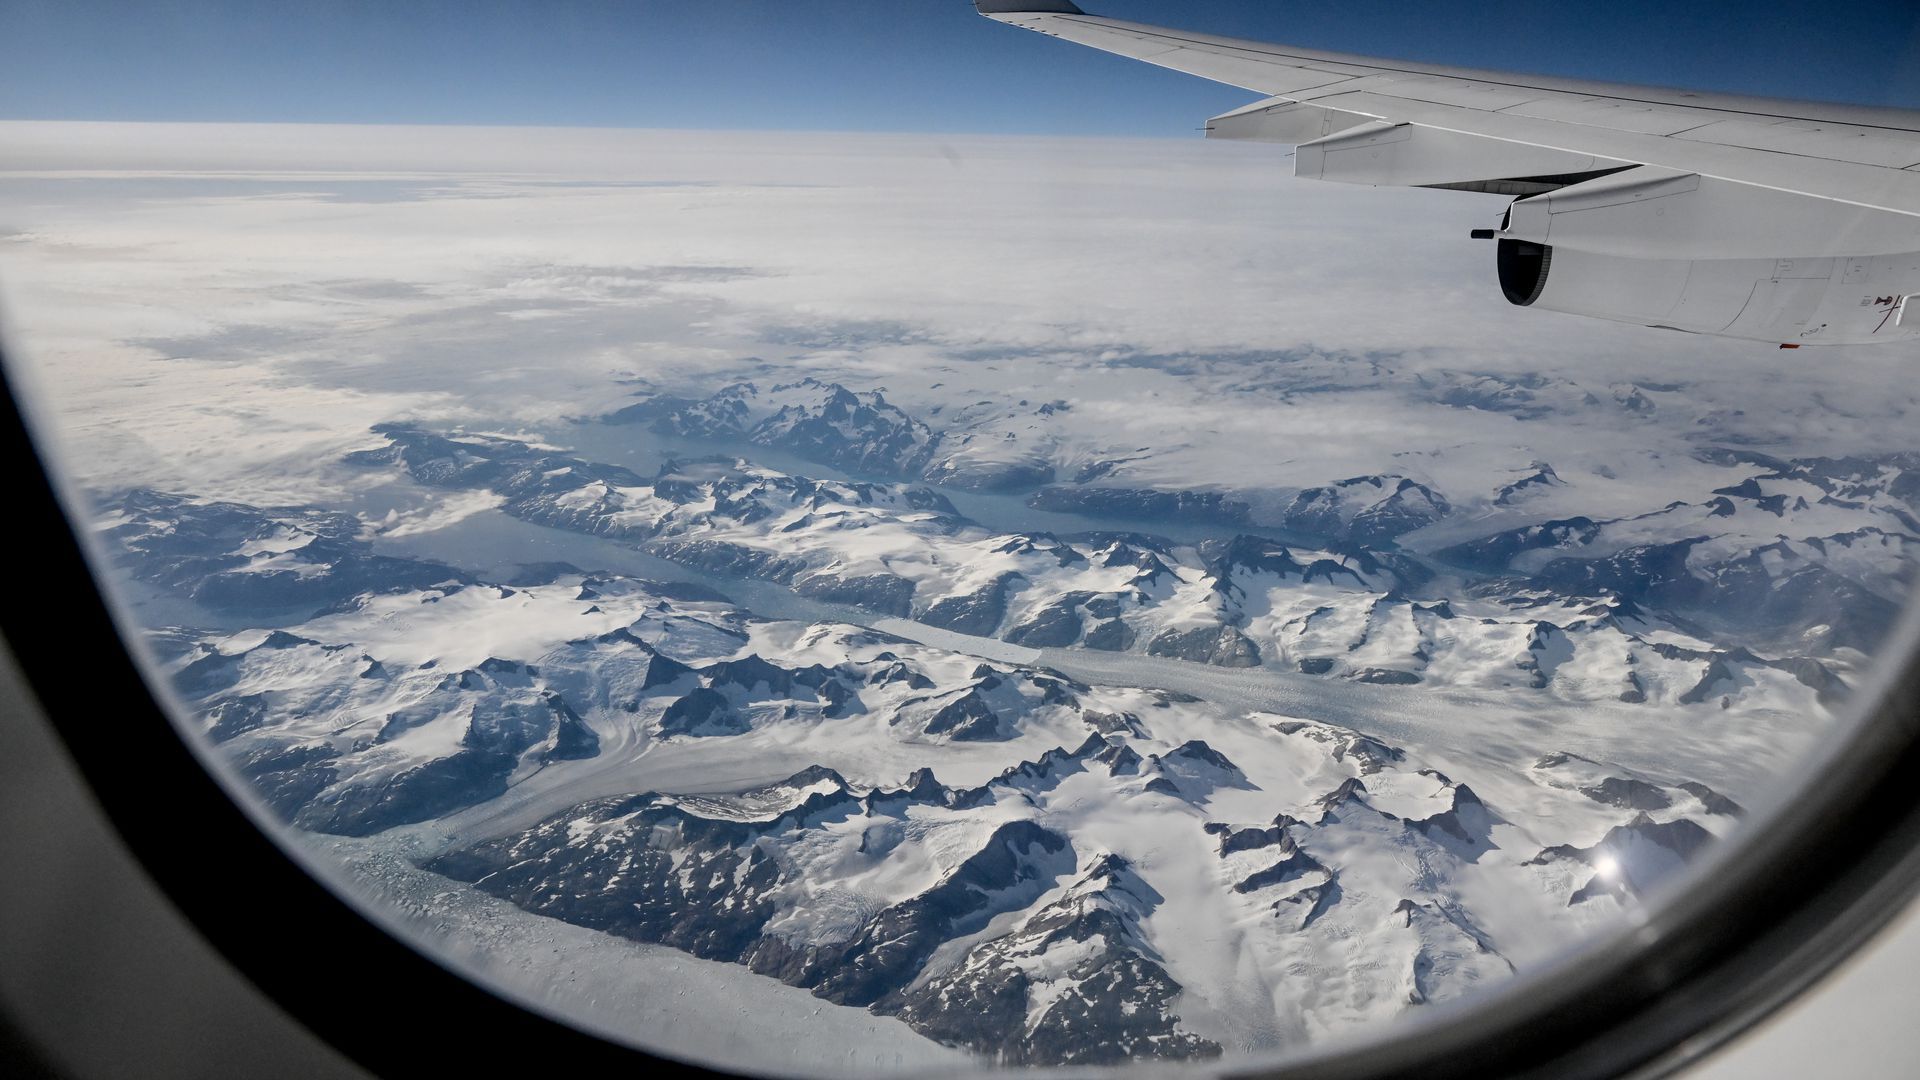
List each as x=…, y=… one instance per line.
x=1798, y=555
x=816, y=420
x=1812, y=553
x=235, y=557
x=1365, y=509
x=1012, y=860
x=1347, y=612
x=1009, y=860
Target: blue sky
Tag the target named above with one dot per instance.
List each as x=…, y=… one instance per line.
x=889, y=65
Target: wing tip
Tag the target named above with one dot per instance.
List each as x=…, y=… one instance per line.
x=1026, y=7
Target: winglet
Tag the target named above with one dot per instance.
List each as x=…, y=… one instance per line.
x=1025, y=7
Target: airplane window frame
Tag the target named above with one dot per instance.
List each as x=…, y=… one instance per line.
x=1787, y=903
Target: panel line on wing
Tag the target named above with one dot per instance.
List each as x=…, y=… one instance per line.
x=1257, y=52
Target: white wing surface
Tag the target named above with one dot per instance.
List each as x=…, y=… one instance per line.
x=1619, y=174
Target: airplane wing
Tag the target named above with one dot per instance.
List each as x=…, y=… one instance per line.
x=1612, y=171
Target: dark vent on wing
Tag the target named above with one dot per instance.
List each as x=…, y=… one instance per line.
x=1523, y=186
x=1523, y=270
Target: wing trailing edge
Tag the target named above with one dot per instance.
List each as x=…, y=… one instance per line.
x=1025, y=7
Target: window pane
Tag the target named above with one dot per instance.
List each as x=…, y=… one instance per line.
x=840, y=603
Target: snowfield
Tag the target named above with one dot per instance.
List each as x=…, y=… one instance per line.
x=1033, y=862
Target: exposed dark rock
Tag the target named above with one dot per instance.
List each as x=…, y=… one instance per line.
x=1633, y=857
x=703, y=712
x=977, y=613
x=1223, y=646
x=883, y=593
x=1111, y=983
x=889, y=950
x=1110, y=636
x=1142, y=504
x=1197, y=752
x=1714, y=802
x=1713, y=682
x=193, y=548
x=1465, y=826
x=816, y=420
x=235, y=716
x=1384, y=677
x=572, y=738
x=752, y=675
x=1541, y=476
x=287, y=776
x=1310, y=903
x=1292, y=865
x=1493, y=554
x=1369, y=510
x=1120, y=760
x=1232, y=840
x=968, y=718
x=1107, y=723
x=1055, y=626
x=425, y=791
x=985, y=475
x=664, y=671
x=1628, y=794
x=1636, y=691
x=1348, y=793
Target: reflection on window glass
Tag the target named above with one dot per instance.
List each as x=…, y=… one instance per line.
x=843, y=603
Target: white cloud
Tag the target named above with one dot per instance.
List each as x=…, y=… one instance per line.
x=217, y=306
